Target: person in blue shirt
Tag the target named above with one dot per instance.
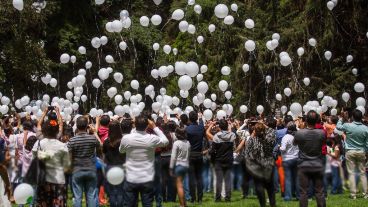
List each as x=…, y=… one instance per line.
x=356, y=148
x=195, y=132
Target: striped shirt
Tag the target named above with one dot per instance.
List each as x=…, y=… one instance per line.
x=83, y=150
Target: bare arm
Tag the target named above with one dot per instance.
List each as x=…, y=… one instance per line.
x=39, y=123
x=60, y=119
x=208, y=132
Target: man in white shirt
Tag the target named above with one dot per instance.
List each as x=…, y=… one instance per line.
x=139, y=147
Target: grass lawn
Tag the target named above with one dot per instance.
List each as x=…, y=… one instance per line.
x=252, y=201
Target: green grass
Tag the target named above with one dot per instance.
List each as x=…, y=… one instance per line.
x=237, y=201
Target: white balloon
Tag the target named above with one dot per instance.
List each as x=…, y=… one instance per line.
x=274, y=43
x=296, y=109
x=360, y=101
x=80, y=80
x=228, y=95
x=260, y=109
x=283, y=109
x=349, y=58
x=285, y=60
x=23, y=193
x=287, y=92
x=354, y=71
x=221, y=114
x=185, y=82
x=96, y=83
x=191, y=69
x=82, y=72
x=306, y=81
x=300, y=51
x=103, y=40
x=333, y=112
x=156, y=19
x=229, y=20
x=225, y=70
x=155, y=46
x=359, y=87
x=268, y=79
x=18, y=4
x=278, y=97
x=103, y=74
x=157, y=2
x=199, y=77
x=175, y=51
x=276, y=36
x=202, y=87
x=191, y=2
x=99, y=2
x=118, y=77
x=96, y=42
x=204, y=69
x=127, y=95
x=200, y=39
x=312, y=42
x=330, y=5
x=88, y=65
x=211, y=28
x=328, y=55
x=269, y=45
x=191, y=29
x=118, y=99
x=183, y=26
x=223, y=85
x=134, y=84
x=109, y=59
x=82, y=50
x=213, y=97
x=245, y=68
x=198, y=9
x=115, y=175
x=53, y=82
x=207, y=114
x=123, y=45
x=184, y=94
x=243, y=109
x=250, y=45
x=320, y=94
x=249, y=23
x=345, y=96
x=111, y=92
x=167, y=49
x=64, y=58
x=178, y=14
x=221, y=11
x=144, y=21
x=84, y=98
x=155, y=73
x=234, y=7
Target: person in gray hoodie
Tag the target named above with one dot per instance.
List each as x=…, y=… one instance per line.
x=222, y=156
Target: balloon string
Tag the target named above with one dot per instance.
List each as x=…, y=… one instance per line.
x=98, y=58
x=165, y=24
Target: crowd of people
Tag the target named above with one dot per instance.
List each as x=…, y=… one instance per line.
x=179, y=158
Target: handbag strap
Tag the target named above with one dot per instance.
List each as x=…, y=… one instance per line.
x=39, y=145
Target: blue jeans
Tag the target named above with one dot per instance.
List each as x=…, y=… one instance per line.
x=206, y=176
x=237, y=176
x=291, y=184
x=114, y=192
x=84, y=181
x=132, y=191
x=336, y=180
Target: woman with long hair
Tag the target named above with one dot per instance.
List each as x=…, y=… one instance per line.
x=113, y=158
x=56, y=158
x=179, y=163
x=260, y=162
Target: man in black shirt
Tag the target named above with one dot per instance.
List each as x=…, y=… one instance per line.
x=310, y=161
